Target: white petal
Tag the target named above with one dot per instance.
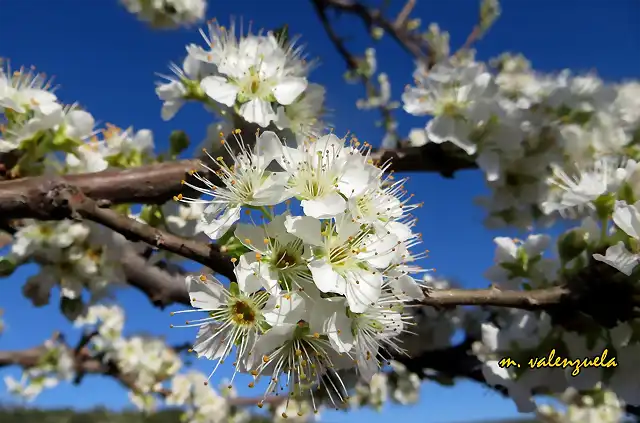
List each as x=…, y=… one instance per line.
x=536, y=244
x=400, y=230
x=170, y=108
x=79, y=123
x=306, y=228
x=220, y=90
x=490, y=336
x=247, y=274
x=218, y=218
x=339, y=331
x=418, y=137
x=283, y=309
x=363, y=289
x=627, y=218
x=326, y=207
x=288, y=89
x=268, y=146
x=272, y=191
x=257, y=111
x=406, y=285
x=506, y=250
x=619, y=257
x=207, y=294
x=355, y=180
x=384, y=250
x=251, y=236
x=367, y=362
x=268, y=342
x=209, y=343
x=489, y=162
x=326, y=279
x=444, y=128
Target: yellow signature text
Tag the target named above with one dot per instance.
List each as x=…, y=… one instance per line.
x=552, y=360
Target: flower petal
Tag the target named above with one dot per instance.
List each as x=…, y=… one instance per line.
x=220, y=90
x=325, y=207
x=207, y=294
x=288, y=89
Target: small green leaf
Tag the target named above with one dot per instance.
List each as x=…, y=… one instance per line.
x=571, y=245
x=234, y=288
x=8, y=265
x=71, y=308
x=604, y=205
x=626, y=193
x=178, y=142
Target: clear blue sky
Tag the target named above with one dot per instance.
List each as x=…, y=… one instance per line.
x=105, y=59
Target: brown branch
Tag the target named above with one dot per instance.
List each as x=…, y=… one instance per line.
x=86, y=364
x=350, y=60
x=155, y=184
x=572, y=302
x=64, y=201
x=408, y=40
x=59, y=200
x=402, y=17
x=527, y=300
x=162, y=288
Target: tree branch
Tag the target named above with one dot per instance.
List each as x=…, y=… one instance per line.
x=158, y=183
x=162, y=288
x=527, y=300
x=86, y=364
x=65, y=201
x=573, y=302
x=408, y=40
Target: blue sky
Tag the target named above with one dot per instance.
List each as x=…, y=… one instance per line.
x=105, y=59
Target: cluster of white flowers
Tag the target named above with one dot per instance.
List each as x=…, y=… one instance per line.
x=315, y=292
x=520, y=264
x=627, y=218
x=597, y=406
x=36, y=123
x=72, y=255
x=261, y=78
x=168, y=13
x=399, y=385
x=55, y=364
x=433, y=329
x=146, y=362
x=205, y=405
x=520, y=126
x=326, y=289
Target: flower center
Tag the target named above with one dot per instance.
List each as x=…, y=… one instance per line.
x=94, y=254
x=255, y=84
x=45, y=230
x=284, y=259
x=243, y=313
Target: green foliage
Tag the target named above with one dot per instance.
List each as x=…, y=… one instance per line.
x=178, y=142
